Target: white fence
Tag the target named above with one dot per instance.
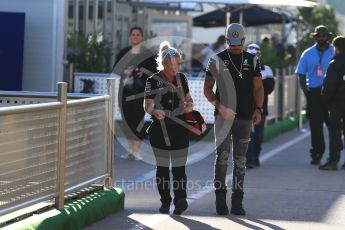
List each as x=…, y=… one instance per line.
x=50, y=148
x=283, y=101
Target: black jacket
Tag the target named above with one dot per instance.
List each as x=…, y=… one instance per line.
x=145, y=60
x=333, y=90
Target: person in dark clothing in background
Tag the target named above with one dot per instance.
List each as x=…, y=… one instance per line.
x=167, y=98
x=333, y=94
x=254, y=147
x=311, y=69
x=134, y=64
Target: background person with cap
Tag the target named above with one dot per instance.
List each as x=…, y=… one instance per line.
x=333, y=94
x=254, y=147
x=239, y=88
x=311, y=70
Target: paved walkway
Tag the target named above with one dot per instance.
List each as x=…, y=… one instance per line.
x=286, y=192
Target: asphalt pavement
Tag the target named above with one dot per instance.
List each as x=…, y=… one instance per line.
x=286, y=192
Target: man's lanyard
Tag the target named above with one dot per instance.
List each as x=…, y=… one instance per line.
x=319, y=71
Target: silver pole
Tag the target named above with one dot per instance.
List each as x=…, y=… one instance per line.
x=62, y=98
x=86, y=17
x=105, y=34
x=76, y=16
x=111, y=131
x=299, y=96
x=241, y=16
x=95, y=16
x=228, y=16
x=65, y=61
x=113, y=29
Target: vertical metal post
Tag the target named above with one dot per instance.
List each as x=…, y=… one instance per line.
x=71, y=77
x=76, y=16
x=113, y=28
x=285, y=105
x=276, y=99
x=111, y=131
x=65, y=61
x=105, y=13
x=228, y=16
x=299, y=105
x=86, y=17
x=95, y=16
x=62, y=97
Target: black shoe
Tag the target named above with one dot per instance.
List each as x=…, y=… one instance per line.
x=315, y=161
x=165, y=208
x=343, y=166
x=252, y=164
x=329, y=165
x=257, y=163
x=221, y=207
x=236, y=204
x=180, y=207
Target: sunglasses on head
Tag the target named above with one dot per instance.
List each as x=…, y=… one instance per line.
x=170, y=52
x=253, y=48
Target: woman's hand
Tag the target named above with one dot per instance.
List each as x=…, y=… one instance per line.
x=188, y=106
x=158, y=114
x=128, y=71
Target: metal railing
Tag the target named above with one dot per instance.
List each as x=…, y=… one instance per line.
x=285, y=100
x=51, y=149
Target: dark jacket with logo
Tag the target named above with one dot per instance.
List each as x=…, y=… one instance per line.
x=333, y=90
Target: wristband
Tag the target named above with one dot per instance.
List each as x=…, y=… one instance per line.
x=260, y=109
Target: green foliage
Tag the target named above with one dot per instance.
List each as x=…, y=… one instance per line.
x=89, y=53
x=312, y=17
x=269, y=55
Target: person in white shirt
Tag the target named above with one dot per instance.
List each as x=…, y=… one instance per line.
x=254, y=147
x=212, y=49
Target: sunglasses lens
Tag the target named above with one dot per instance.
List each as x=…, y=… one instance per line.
x=254, y=48
x=172, y=52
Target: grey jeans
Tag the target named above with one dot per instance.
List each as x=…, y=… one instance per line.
x=231, y=137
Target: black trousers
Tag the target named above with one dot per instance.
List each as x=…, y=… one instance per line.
x=337, y=116
x=170, y=146
x=317, y=113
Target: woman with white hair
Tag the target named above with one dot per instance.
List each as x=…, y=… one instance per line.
x=167, y=98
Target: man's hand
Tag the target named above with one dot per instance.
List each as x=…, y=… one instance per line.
x=226, y=113
x=256, y=117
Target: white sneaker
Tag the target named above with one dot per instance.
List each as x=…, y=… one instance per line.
x=128, y=156
x=137, y=156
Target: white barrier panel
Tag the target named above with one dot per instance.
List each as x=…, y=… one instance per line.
x=196, y=87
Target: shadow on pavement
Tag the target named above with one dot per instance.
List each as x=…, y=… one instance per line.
x=242, y=222
x=193, y=224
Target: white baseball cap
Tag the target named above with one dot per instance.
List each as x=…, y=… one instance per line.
x=253, y=48
x=235, y=34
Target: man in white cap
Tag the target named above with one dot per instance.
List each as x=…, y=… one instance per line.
x=254, y=147
x=239, y=88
